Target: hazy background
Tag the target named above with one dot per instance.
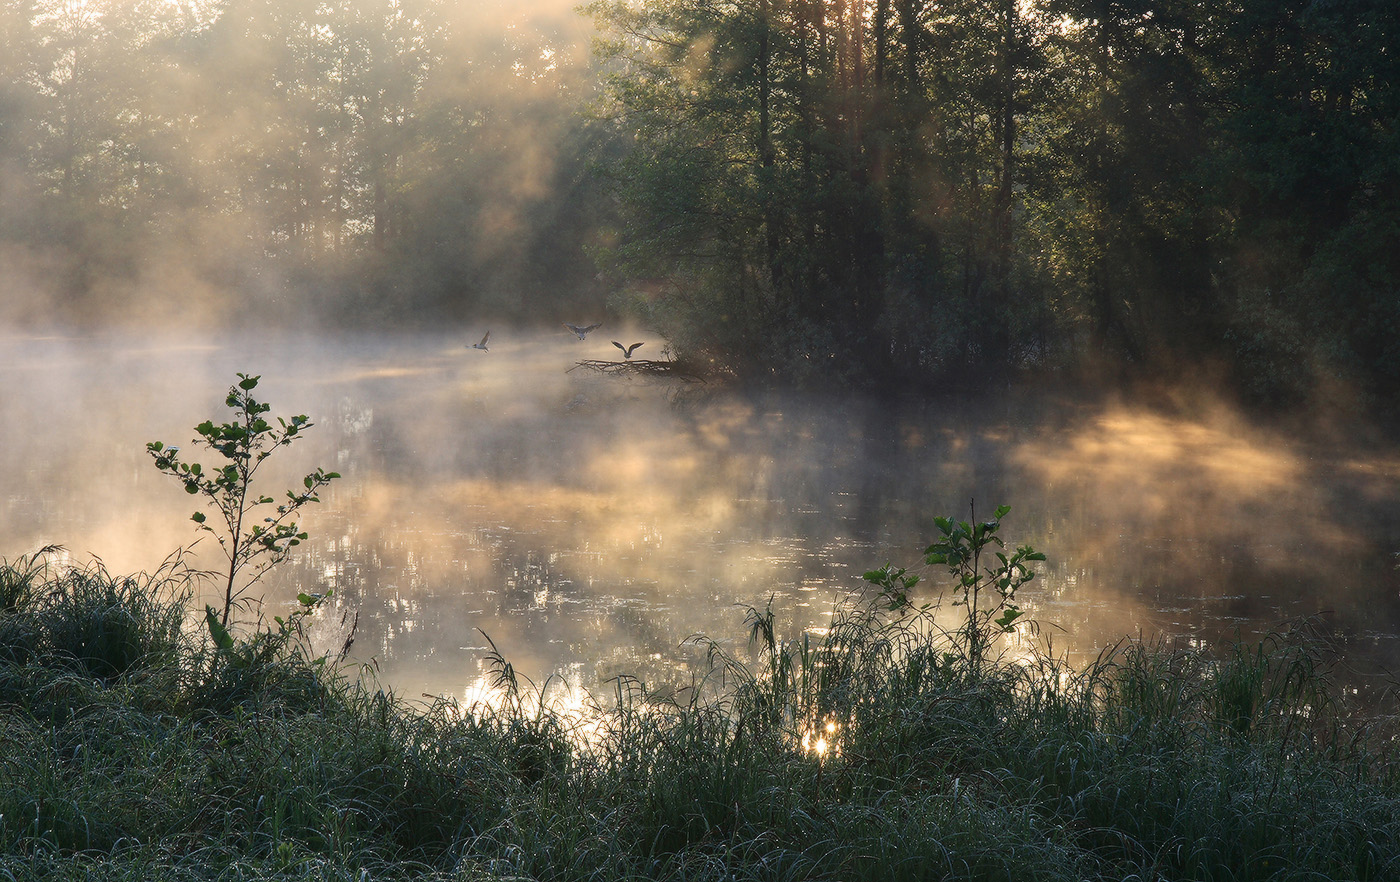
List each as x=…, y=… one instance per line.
x=881, y=195
x=206, y=163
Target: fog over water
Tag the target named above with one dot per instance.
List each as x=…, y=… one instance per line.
x=589, y=524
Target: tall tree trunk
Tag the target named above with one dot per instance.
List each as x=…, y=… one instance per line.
x=998, y=337
x=767, y=157
x=806, y=30
x=913, y=47
x=1109, y=324
x=882, y=49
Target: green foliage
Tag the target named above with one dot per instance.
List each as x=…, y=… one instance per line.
x=254, y=668
x=960, y=550
x=906, y=196
x=889, y=192
x=19, y=580
x=244, y=443
x=873, y=751
x=109, y=627
x=89, y=622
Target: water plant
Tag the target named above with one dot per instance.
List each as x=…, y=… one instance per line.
x=244, y=443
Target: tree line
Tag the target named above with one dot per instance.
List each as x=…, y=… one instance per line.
x=350, y=160
x=890, y=192
x=923, y=190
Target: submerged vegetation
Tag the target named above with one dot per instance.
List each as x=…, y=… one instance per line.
x=134, y=746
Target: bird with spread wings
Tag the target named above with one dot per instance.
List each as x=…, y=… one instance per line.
x=583, y=332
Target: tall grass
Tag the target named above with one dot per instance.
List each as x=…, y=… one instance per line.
x=886, y=749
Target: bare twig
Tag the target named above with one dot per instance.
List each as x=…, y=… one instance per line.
x=645, y=367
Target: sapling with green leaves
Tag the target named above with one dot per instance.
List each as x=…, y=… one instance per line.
x=244, y=442
x=961, y=549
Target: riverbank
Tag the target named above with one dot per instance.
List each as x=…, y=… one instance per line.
x=131, y=747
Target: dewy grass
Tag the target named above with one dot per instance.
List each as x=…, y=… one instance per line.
x=889, y=749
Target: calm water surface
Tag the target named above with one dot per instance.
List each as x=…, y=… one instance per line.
x=589, y=524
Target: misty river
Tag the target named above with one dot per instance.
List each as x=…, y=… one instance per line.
x=589, y=524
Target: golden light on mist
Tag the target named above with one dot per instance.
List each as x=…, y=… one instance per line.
x=1207, y=475
x=577, y=517
x=1144, y=447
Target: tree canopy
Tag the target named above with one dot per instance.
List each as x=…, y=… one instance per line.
x=350, y=160
x=892, y=193
x=924, y=191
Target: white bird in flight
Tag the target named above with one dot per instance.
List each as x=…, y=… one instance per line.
x=582, y=333
x=626, y=350
x=482, y=344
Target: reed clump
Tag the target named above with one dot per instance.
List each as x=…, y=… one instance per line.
x=134, y=746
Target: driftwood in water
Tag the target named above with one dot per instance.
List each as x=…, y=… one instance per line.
x=645, y=367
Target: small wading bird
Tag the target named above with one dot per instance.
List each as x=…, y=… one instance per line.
x=626, y=350
x=482, y=344
x=582, y=333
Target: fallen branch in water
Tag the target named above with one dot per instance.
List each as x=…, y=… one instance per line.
x=646, y=367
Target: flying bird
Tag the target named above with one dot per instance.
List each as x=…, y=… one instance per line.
x=626, y=350
x=582, y=333
x=482, y=344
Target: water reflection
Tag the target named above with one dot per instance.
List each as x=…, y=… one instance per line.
x=590, y=524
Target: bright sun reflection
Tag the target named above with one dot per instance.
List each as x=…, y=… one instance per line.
x=486, y=697
x=822, y=741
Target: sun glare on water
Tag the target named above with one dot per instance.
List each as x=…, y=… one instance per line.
x=822, y=741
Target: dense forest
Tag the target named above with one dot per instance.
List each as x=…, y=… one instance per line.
x=286, y=160
x=895, y=192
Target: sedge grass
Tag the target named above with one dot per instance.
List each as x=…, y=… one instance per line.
x=130, y=749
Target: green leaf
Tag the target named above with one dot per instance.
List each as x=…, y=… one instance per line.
x=222, y=638
x=1001, y=511
x=1008, y=617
